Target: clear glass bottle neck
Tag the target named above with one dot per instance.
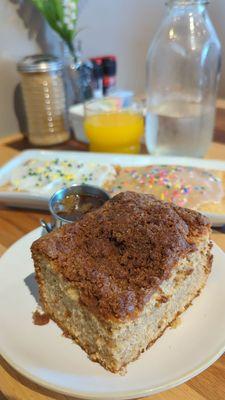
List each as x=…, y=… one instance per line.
x=186, y=3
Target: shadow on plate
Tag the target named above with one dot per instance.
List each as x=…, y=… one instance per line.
x=31, y=283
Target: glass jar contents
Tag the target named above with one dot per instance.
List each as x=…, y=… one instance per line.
x=73, y=206
x=183, y=71
x=44, y=98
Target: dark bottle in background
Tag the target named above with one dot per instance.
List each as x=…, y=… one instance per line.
x=97, y=63
x=109, y=74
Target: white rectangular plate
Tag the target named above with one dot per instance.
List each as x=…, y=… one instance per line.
x=40, y=201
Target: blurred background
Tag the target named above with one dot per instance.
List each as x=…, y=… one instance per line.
x=121, y=27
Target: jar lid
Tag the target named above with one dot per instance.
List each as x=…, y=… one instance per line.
x=40, y=63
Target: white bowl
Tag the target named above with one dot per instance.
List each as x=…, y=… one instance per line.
x=76, y=117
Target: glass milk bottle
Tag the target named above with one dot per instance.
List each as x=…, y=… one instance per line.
x=183, y=68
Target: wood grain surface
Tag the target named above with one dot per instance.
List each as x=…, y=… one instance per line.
x=14, y=223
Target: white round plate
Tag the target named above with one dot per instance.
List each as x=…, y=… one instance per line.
x=42, y=354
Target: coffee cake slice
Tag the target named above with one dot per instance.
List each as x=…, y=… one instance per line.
x=116, y=279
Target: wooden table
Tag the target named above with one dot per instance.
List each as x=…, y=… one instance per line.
x=14, y=223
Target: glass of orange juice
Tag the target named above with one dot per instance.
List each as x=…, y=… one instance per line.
x=112, y=127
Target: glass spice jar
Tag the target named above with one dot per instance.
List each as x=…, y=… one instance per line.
x=44, y=97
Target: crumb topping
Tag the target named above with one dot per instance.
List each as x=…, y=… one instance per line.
x=40, y=318
x=118, y=255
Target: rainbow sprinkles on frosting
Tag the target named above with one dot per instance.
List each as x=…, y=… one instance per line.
x=192, y=187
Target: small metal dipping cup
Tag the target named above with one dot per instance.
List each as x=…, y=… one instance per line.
x=57, y=197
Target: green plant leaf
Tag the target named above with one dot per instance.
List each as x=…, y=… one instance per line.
x=39, y=4
x=54, y=13
x=59, y=9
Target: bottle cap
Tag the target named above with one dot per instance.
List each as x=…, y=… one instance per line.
x=96, y=60
x=97, y=67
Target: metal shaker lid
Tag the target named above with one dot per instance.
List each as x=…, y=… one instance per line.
x=40, y=63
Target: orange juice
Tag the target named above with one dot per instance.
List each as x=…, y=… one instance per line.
x=114, y=132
